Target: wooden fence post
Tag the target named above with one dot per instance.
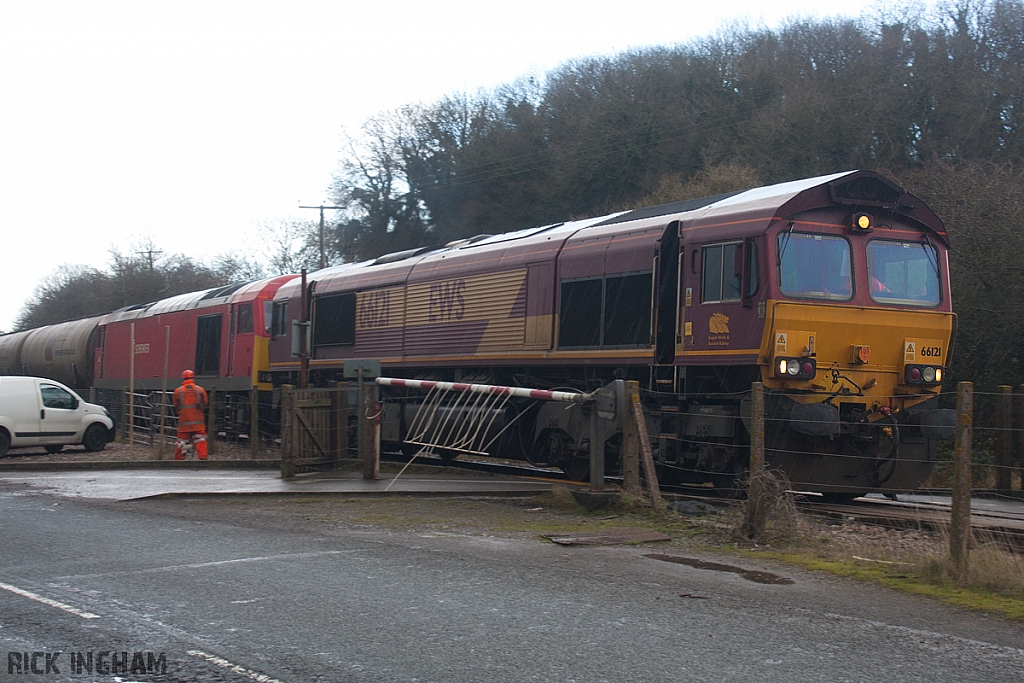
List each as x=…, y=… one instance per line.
x=369, y=419
x=1004, y=437
x=960, y=521
x=645, y=450
x=254, y=422
x=754, y=517
x=163, y=391
x=287, y=428
x=1020, y=432
x=211, y=422
x=631, y=444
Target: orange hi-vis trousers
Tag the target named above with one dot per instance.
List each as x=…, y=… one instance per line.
x=189, y=442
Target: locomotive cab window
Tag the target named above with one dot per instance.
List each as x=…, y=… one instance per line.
x=814, y=266
x=245, y=319
x=903, y=273
x=606, y=312
x=334, y=320
x=722, y=275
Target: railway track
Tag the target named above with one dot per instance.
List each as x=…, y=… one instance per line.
x=999, y=520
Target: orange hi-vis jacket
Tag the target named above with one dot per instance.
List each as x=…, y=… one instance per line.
x=190, y=401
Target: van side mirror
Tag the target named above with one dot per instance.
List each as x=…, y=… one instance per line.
x=74, y=403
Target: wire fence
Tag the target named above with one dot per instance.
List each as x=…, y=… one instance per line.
x=254, y=422
x=997, y=438
x=240, y=425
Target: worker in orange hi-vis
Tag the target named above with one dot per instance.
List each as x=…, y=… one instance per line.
x=190, y=401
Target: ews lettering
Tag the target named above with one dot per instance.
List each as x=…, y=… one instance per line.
x=446, y=301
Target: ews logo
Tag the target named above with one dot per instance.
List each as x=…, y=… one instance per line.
x=447, y=301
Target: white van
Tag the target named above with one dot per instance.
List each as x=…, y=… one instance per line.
x=41, y=412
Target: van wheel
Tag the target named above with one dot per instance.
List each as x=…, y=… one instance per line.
x=95, y=438
x=54, y=448
x=5, y=443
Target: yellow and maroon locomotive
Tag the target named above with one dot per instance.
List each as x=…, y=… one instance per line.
x=832, y=291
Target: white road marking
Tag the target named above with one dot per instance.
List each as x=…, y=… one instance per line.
x=225, y=664
x=47, y=601
x=200, y=565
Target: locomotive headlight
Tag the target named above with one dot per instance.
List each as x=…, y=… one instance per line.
x=795, y=368
x=922, y=374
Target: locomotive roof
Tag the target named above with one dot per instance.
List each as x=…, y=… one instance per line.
x=861, y=190
x=748, y=212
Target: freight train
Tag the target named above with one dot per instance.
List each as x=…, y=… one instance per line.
x=833, y=292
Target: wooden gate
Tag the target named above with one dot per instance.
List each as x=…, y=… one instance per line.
x=314, y=428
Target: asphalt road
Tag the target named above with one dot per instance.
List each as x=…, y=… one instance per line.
x=229, y=601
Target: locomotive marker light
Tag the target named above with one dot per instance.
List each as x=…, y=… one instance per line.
x=862, y=222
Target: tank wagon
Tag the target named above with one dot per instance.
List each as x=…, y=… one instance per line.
x=63, y=352
x=832, y=291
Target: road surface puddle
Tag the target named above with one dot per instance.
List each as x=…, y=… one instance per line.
x=748, y=574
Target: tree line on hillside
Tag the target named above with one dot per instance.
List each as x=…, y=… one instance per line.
x=933, y=98
x=140, y=276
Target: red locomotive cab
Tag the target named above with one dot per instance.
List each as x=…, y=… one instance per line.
x=250, y=313
x=220, y=333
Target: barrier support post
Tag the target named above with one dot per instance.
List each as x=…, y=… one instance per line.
x=369, y=432
x=596, y=448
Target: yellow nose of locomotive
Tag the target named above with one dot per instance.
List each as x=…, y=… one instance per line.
x=881, y=357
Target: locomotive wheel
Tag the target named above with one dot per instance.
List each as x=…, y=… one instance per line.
x=555, y=447
x=578, y=469
x=54, y=448
x=95, y=438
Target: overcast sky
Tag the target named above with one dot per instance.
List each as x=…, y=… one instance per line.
x=190, y=124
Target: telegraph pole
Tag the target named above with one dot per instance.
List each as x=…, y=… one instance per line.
x=323, y=256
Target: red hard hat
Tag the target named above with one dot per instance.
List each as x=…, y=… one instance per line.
x=188, y=374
